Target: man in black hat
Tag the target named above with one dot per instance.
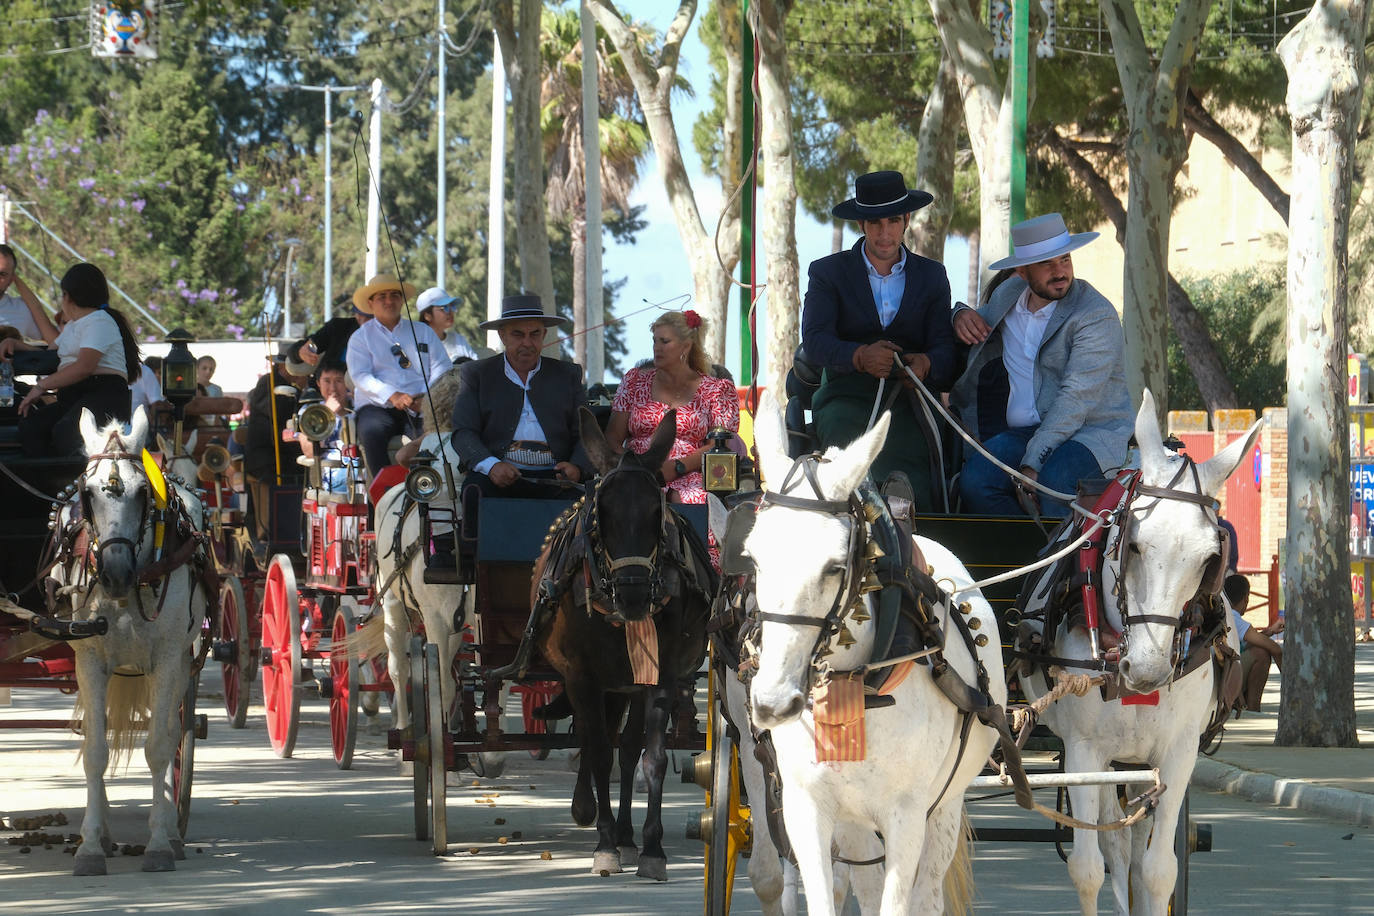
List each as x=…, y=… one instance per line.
x=516, y=418
x=865, y=309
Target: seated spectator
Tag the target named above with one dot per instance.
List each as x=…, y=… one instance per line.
x=147, y=391
x=436, y=310
x=97, y=357
x=1258, y=649
x=14, y=310
x=391, y=360
x=205, y=370
x=335, y=395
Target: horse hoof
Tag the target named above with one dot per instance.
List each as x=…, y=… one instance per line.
x=606, y=863
x=650, y=867
x=629, y=855
x=159, y=860
x=179, y=850
x=89, y=866
x=488, y=766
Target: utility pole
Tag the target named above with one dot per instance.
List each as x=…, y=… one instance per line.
x=496, y=194
x=1020, y=90
x=595, y=334
x=374, y=185
x=440, y=234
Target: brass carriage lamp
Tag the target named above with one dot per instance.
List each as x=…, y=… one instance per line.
x=720, y=465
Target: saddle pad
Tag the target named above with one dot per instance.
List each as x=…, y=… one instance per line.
x=838, y=709
x=641, y=641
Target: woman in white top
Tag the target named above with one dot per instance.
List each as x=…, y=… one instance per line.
x=98, y=356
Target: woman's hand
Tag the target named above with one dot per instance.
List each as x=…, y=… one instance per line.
x=31, y=398
x=12, y=345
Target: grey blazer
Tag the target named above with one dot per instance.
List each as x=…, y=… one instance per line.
x=1080, y=380
x=488, y=409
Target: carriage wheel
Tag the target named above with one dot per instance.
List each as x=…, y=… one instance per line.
x=419, y=733
x=184, y=760
x=281, y=643
x=724, y=841
x=343, y=697
x=233, y=631
x=532, y=696
x=438, y=734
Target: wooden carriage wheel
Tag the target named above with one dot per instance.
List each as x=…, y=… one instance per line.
x=438, y=736
x=281, y=655
x=729, y=824
x=184, y=759
x=343, y=691
x=233, y=631
x=419, y=734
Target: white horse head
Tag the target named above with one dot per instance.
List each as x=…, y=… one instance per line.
x=1169, y=543
x=801, y=556
x=117, y=498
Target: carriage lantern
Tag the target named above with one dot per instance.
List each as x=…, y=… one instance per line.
x=179, y=370
x=720, y=465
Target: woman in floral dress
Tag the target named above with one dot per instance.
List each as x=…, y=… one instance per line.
x=680, y=379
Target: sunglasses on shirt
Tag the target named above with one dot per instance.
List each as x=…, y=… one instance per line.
x=401, y=359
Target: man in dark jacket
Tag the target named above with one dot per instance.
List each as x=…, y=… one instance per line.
x=267, y=460
x=864, y=309
x=329, y=345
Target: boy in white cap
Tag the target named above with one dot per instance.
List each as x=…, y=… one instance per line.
x=1045, y=388
x=436, y=310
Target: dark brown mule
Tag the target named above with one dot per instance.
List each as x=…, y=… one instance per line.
x=623, y=570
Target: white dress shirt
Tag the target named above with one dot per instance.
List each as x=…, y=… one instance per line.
x=375, y=365
x=528, y=429
x=1022, y=332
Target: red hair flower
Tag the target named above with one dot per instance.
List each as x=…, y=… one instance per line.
x=692, y=318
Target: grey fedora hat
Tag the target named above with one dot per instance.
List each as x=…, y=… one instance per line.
x=880, y=194
x=522, y=308
x=1041, y=239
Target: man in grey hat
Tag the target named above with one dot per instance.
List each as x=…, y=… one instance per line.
x=1045, y=388
x=864, y=309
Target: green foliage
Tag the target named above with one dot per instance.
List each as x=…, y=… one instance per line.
x=1238, y=308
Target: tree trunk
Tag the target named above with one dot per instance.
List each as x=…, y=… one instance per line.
x=780, y=191
x=1193, y=336
x=987, y=116
x=836, y=236
x=653, y=82
x=1324, y=57
x=975, y=273
x=520, y=49
x=1201, y=122
x=578, y=250
x=937, y=140
x=1155, y=150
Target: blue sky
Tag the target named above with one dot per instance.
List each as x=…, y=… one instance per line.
x=655, y=265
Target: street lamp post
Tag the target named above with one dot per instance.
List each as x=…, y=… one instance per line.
x=286, y=289
x=328, y=92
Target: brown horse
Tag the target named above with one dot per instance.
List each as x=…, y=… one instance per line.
x=628, y=583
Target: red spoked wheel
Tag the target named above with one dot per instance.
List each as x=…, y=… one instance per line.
x=233, y=635
x=532, y=696
x=343, y=693
x=281, y=655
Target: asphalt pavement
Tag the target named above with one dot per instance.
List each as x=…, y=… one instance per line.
x=1332, y=782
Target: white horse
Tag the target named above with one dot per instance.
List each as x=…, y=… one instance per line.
x=137, y=674
x=909, y=786
x=1166, y=538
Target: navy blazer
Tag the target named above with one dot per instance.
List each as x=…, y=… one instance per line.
x=488, y=409
x=839, y=314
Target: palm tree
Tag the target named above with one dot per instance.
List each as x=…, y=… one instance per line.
x=623, y=137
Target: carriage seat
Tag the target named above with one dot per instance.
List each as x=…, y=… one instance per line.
x=803, y=379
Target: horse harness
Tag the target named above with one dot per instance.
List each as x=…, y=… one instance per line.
x=177, y=542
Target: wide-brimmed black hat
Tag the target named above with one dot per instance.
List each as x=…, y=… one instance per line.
x=523, y=308
x=880, y=194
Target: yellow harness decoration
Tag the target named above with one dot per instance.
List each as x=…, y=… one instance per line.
x=158, y=482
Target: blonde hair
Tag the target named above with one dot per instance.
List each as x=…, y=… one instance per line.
x=696, y=356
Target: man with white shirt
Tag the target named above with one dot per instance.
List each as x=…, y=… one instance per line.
x=13, y=312
x=390, y=360
x=867, y=307
x=1045, y=388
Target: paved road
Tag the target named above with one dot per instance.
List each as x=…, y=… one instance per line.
x=294, y=836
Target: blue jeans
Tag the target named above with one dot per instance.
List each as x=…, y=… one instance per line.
x=987, y=490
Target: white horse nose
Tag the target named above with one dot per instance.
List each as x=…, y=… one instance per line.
x=769, y=712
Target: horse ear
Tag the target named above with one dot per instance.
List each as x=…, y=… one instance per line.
x=1153, y=454
x=162, y=445
x=594, y=441
x=1213, y=473
x=716, y=514
x=90, y=433
x=661, y=443
x=138, y=430
x=844, y=468
x=191, y=442
x=770, y=437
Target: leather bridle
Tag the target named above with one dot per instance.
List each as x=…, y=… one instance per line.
x=614, y=573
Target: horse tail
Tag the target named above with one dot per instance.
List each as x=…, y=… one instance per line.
x=127, y=702
x=369, y=640
x=958, y=883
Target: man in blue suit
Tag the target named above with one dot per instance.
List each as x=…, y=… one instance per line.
x=864, y=309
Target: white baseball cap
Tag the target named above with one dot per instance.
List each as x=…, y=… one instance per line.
x=434, y=296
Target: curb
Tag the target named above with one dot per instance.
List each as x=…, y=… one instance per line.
x=1343, y=805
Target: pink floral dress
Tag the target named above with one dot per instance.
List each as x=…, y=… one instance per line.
x=716, y=404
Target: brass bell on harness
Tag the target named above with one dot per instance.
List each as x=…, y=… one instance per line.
x=860, y=613
x=846, y=638
x=965, y=608
x=870, y=582
x=872, y=551
x=871, y=512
